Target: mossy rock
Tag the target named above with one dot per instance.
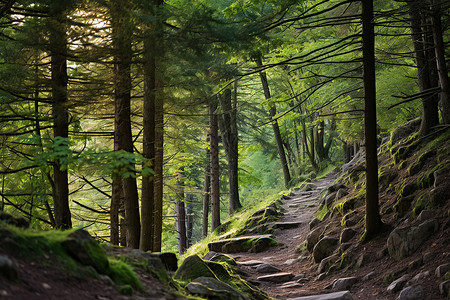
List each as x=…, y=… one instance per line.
x=418, y=164
x=403, y=204
x=212, y=288
x=346, y=205
x=192, y=268
x=220, y=270
x=404, y=188
x=262, y=244
x=83, y=248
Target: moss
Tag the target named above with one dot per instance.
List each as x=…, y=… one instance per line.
x=322, y=212
x=259, y=244
x=419, y=162
x=345, y=260
x=126, y=290
x=221, y=270
x=347, y=205
x=122, y=274
x=447, y=276
x=388, y=278
x=405, y=188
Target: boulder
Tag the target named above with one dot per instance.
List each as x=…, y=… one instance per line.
x=418, y=278
x=415, y=292
x=329, y=199
x=426, y=214
x=169, y=260
x=314, y=222
x=442, y=269
x=219, y=257
x=346, y=235
x=402, y=132
x=8, y=269
x=83, y=248
x=277, y=277
x=444, y=288
x=402, y=242
x=343, y=284
x=324, y=248
x=308, y=187
x=343, y=295
x=192, y=268
x=326, y=263
x=341, y=193
x=397, y=284
x=441, y=176
x=313, y=237
x=267, y=268
x=212, y=288
x=151, y=260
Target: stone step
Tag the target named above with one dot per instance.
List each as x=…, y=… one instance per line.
x=344, y=295
x=250, y=263
x=285, y=225
x=277, y=277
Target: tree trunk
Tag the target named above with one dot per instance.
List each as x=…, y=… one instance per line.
x=181, y=215
x=214, y=148
x=149, y=125
x=206, y=194
x=373, y=220
x=189, y=202
x=439, y=48
x=116, y=199
x=121, y=37
x=228, y=128
x=59, y=79
x=430, y=116
x=276, y=128
x=158, y=177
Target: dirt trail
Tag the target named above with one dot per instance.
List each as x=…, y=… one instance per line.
x=300, y=207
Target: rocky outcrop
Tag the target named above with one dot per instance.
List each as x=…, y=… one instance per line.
x=402, y=242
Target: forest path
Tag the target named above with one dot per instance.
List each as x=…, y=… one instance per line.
x=296, y=275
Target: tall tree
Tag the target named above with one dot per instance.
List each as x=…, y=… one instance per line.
x=373, y=220
x=181, y=214
x=60, y=114
x=206, y=193
x=214, y=164
x=439, y=47
x=425, y=64
x=121, y=36
x=229, y=133
x=276, y=128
